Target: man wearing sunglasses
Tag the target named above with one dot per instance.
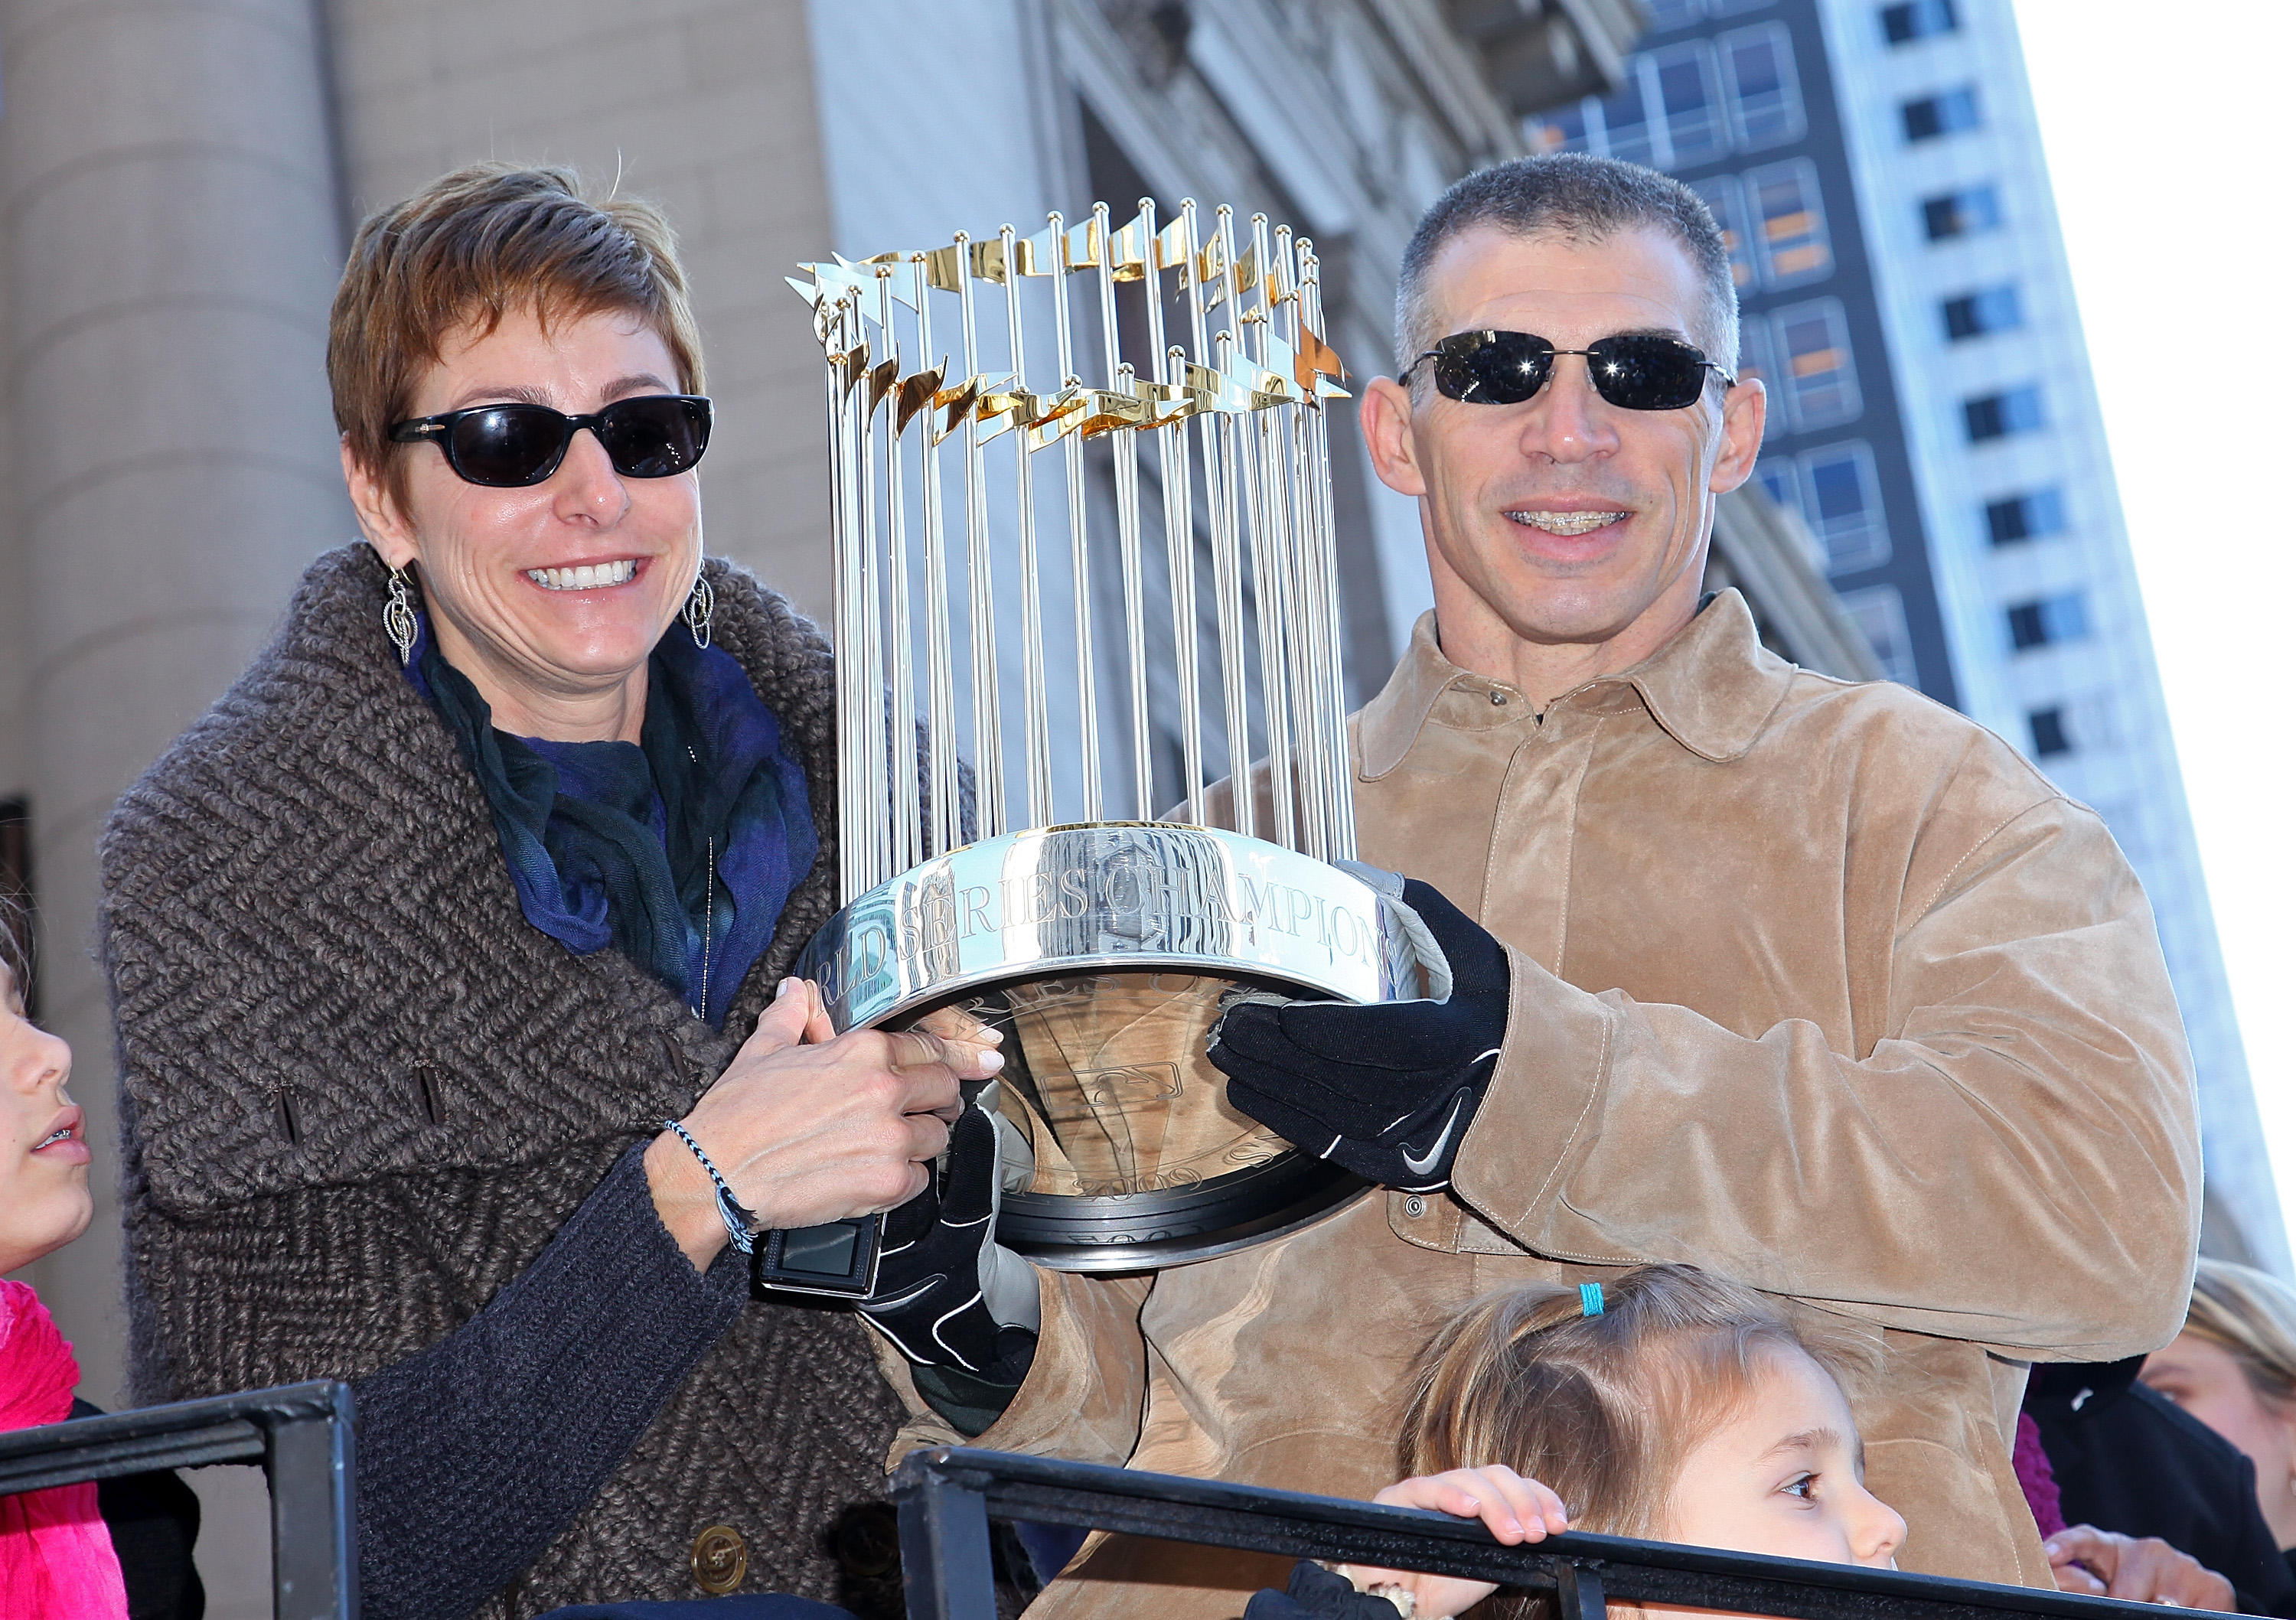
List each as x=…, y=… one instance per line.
x=1815, y=984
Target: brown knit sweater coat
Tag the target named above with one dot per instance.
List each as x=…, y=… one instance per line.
x=362, y=1091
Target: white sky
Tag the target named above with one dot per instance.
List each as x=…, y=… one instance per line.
x=2172, y=146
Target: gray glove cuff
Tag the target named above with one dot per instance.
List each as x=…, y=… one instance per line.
x=1008, y=1283
x=1412, y=948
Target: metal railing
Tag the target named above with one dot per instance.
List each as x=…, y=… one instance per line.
x=947, y=1496
x=301, y=1434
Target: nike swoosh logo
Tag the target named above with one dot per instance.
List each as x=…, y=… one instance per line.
x=1421, y=1164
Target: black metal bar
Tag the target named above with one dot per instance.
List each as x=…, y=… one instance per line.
x=300, y=1434
x=1578, y=1593
x=236, y=1441
x=1252, y=1519
x=945, y=1559
x=314, y=1529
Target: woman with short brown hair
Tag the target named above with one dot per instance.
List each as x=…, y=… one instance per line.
x=448, y=955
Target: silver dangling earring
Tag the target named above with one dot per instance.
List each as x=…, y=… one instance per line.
x=399, y=620
x=699, y=607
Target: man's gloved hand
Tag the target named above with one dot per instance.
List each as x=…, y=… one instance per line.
x=946, y=1295
x=1386, y=1091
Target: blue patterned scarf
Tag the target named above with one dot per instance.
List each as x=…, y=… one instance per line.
x=679, y=850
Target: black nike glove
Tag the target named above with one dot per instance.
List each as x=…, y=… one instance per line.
x=1385, y=1089
x=946, y=1295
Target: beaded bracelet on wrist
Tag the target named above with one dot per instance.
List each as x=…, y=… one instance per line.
x=740, y=1223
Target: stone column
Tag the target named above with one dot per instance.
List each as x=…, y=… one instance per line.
x=171, y=236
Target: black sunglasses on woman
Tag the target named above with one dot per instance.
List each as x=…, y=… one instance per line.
x=1634, y=371
x=508, y=447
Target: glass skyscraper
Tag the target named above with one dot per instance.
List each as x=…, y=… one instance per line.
x=1878, y=169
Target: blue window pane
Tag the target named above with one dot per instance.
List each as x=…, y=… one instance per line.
x=2048, y=622
x=1819, y=378
x=1723, y=200
x=2050, y=733
x=1626, y=125
x=1942, y=114
x=1977, y=314
x=1564, y=129
x=1775, y=475
x=2032, y=516
x=1690, y=102
x=1837, y=491
x=1672, y=13
x=1757, y=77
x=1880, y=612
x=1962, y=213
x=1790, y=223
x=1992, y=416
x=1913, y=19
x=1845, y=506
x=1754, y=361
x=1755, y=365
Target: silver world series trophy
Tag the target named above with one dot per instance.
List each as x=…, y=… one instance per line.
x=1039, y=893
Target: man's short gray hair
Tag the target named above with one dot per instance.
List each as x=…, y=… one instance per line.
x=1580, y=198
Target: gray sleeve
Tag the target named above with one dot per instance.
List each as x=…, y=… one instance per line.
x=475, y=1453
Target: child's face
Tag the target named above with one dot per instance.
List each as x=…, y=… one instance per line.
x=44, y=1156
x=1784, y=1477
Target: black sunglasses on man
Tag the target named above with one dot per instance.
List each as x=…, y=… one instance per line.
x=1634, y=371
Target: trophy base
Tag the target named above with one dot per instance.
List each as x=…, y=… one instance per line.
x=1140, y=1231
x=1104, y=953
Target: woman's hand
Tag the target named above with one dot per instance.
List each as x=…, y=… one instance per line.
x=1513, y=1508
x=2104, y=1563
x=807, y=1126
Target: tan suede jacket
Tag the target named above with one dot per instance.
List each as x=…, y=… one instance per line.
x=1817, y=985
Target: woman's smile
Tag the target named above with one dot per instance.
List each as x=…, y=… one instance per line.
x=588, y=576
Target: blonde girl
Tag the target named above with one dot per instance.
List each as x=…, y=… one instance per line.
x=1667, y=1403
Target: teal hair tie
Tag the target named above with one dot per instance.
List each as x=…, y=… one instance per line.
x=1590, y=1300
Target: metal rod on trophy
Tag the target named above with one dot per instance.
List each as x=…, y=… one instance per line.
x=940, y=677
x=1037, y=726
x=869, y=767
x=1179, y=523
x=987, y=731
x=1080, y=533
x=1311, y=744
x=1310, y=723
x=900, y=674
x=1326, y=572
x=848, y=355
x=1228, y=564
x=1115, y=259
x=1301, y=764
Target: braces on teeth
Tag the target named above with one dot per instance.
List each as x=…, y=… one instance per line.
x=1567, y=522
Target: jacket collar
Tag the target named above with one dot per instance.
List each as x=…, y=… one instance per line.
x=1712, y=688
